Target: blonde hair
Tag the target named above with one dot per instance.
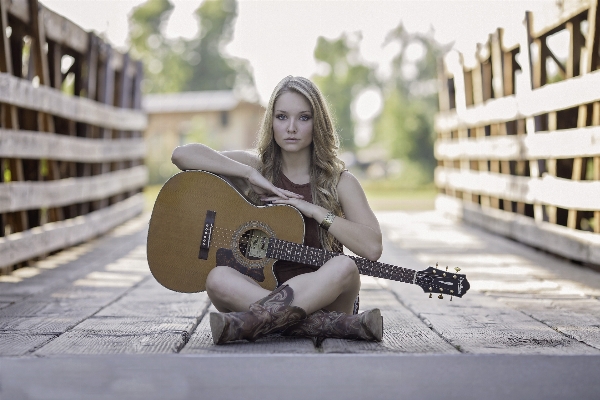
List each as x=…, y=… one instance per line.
x=325, y=166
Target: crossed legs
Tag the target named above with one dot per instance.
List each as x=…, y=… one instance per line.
x=333, y=287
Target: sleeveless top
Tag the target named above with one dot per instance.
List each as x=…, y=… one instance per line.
x=285, y=270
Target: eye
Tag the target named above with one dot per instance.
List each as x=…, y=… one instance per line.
x=280, y=116
x=304, y=117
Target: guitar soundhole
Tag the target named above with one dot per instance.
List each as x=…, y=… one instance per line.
x=253, y=244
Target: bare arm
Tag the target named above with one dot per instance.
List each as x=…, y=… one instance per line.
x=359, y=231
x=240, y=166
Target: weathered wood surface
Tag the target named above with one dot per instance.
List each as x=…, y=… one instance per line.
x=99, y=298
x=566, y=143
x=70, y=134
x=556, y=97
x=22, y=93
x=559, y=192
x=56, y=235
x=28, y=195
x=38, y=145
x=572, y=244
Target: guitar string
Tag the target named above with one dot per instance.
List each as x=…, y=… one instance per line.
x=371, y=266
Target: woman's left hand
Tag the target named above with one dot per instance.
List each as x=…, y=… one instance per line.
x=306, y=208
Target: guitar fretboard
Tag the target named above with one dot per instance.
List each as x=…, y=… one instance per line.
x=288, y=251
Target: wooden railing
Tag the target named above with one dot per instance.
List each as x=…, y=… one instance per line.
x=71, y=145
x=518, y=150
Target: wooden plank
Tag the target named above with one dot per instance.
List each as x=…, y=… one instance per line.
x=63, y=31
x=565, y=193
x=17, y=196
x=38, y=145
x=578, y=319
x=55, y=308
x=479, y=324
x=77, y=342
x=555, y=97
x=57, y=235
x=19, y=344
x=403, y=332
x=21, y=93
x=557, y=239
x=558, y=24
x=58, y=28
x=566, y=143
x=194, y=306
x=39, y=325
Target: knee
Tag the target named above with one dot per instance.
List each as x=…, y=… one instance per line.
x=216, y=282
x=347, y=270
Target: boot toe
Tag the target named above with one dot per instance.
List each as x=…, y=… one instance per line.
x=374, y=323
x=218, y=324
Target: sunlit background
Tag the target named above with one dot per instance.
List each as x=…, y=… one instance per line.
x=376, y=61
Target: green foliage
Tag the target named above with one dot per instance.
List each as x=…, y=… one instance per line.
x=174, y=65
x=346, y=76
x=158, y=54
x=405, y=126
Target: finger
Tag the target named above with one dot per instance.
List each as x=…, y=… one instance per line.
x=292, y=194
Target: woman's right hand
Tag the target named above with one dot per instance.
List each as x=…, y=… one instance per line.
x=261, y=186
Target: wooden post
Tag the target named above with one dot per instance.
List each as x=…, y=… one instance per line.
x=592, y=42
x=528, y=73
x=45, y=121
x=17, y=221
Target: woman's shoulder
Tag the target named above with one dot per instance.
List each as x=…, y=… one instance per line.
x=348, y=182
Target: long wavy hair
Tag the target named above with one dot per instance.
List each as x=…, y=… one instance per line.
x=325, y=166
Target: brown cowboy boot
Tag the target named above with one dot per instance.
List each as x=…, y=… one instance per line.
x=267, y=315
x=332, y=324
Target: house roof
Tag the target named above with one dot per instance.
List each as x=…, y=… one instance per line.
x=208, y=100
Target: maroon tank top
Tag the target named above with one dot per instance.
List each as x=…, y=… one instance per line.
x=285, y=270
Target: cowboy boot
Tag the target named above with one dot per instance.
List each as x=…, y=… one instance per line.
x=270, y=314
x=332, y=324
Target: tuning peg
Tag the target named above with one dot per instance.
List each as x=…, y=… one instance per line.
x=446, y=268
x=440, y=297
x=430, y=295
x=436, y=264
x=450, y=298
x=456, y=269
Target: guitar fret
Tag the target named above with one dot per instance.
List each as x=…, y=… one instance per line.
x=289, y=251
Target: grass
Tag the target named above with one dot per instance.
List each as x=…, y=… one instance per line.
x=150, y=193
x=389, y=196
x=384, y=195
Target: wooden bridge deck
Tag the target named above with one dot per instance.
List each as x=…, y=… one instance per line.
x=99, y=298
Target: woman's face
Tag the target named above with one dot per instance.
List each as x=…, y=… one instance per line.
x=292, y=122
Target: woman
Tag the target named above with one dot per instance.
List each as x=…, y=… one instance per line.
x=296, y=164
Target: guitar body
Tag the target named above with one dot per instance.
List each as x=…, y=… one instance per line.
x=200, y=221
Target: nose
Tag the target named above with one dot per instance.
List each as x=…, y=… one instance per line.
x=291, y=127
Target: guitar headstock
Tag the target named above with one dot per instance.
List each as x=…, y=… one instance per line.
x=436, y=280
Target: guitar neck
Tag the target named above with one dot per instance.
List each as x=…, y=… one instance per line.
x=288, y=251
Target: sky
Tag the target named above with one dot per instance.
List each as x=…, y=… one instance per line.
x=279, y=37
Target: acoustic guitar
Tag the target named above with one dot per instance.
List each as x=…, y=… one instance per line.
x=200, y=220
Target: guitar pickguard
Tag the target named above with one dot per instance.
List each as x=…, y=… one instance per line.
x=226, y=257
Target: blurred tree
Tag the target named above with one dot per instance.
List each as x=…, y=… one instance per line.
x=343, y=77
x=174, y=65
x=405, y=126
x=159, y=54
x=213, y=69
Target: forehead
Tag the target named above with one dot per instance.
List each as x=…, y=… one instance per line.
x=292, y=102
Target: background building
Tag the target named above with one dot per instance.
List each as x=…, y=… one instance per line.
x=220, y=119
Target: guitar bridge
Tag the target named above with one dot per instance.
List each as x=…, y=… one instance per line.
x=209, y=223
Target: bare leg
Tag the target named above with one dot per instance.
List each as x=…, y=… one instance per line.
x=230, y=290
x=333, y=287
